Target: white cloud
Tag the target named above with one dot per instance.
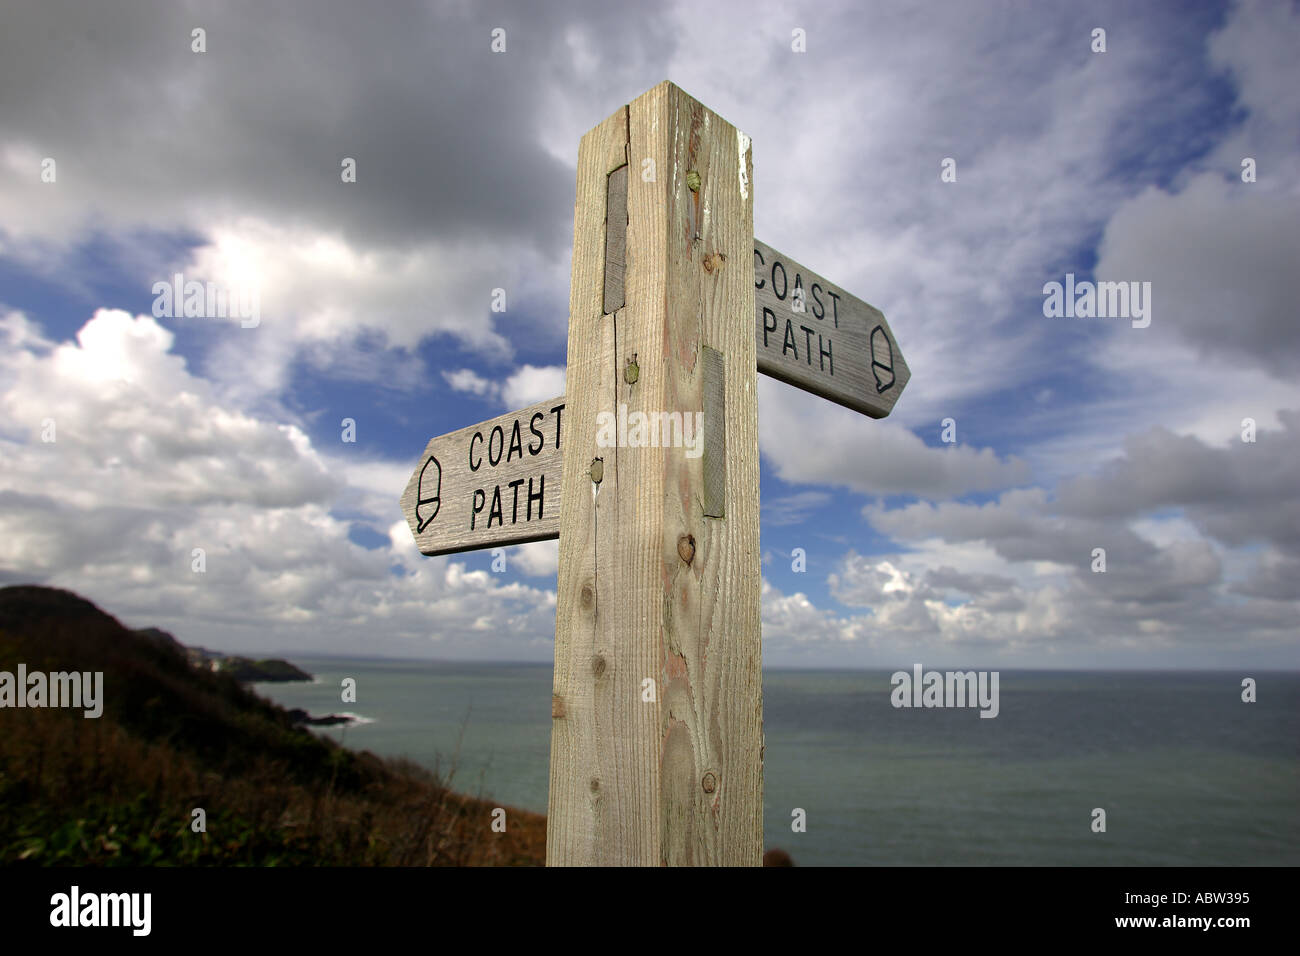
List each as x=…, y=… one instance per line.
x=792, y=619
x=148, y=465
x=809, y=441
x=1176, y=519
x=792, y=509
x=527, y=385
x=941, y=615
x=536, y=559
x=467, y=380
x=1257, y=47
x=322, y=294
x=532, y=384
x=133, y=428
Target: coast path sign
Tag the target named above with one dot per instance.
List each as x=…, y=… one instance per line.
x=656, y=706
x=817, y=337
x=488, y=485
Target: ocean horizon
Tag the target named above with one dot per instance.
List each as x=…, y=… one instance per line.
x=1185, y=771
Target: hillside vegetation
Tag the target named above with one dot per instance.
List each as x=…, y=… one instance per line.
x=120, y=789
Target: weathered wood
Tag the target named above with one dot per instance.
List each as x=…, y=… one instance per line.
x=815, y=336
x=615, y=238
x=655, y=600
x=494, y=483
x=715, y=433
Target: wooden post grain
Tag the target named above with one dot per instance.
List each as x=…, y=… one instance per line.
x=656, y=745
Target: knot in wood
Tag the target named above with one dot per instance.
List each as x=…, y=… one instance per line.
x=686, y=548
x=693, y=181
x=597, y=470
x=709, y=783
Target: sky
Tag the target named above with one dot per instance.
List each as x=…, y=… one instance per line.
x=1170, y=159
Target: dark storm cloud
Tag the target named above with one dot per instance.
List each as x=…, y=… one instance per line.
x=445, y=132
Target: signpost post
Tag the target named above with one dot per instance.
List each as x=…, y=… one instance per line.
x=657, y=744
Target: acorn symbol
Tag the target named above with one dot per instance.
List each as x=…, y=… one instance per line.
x=426, y=494
x=882, y=358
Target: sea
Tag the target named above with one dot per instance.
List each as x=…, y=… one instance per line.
x=1186, y=772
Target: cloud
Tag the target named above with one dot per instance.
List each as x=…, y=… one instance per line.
x=225, y=166
x=792, y=509
x=837, y=447
x=975, y=585
x=1125, y=617
x=1171, y=515
x=147, y=465
x=1220, y=256
x=527, y=385
x=1256, y=47
x=792, y=619
x=262, y=120
x=236, y=154
x=465, y=157
x=1238, y=492
x=132, y=427
x=1234, y=496
x=467, y=380
x=532, y=384
x=1221, y=345
x=537, y=559
x=1275, y=577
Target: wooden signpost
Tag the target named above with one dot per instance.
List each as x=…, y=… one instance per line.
x=657, y=743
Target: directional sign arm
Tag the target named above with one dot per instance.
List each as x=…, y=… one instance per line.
x=815, y=336
x=492, y=484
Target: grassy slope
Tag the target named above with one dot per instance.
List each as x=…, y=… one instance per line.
x=120, y=789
